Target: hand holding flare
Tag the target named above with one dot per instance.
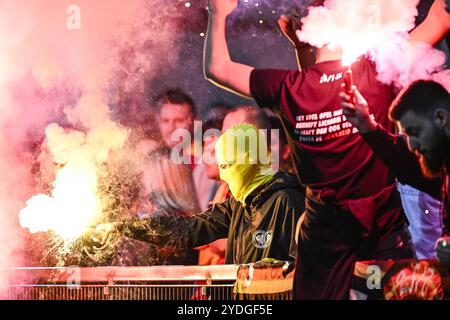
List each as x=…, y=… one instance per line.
x=103, y=232
x=356, y=109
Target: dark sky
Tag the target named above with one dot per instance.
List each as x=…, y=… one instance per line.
x=250, y=42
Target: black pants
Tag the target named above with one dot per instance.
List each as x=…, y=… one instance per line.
x=330, y=242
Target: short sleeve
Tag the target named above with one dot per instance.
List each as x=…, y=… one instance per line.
x=266, y=86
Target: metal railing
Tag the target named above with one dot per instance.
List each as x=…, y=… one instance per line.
x=124, y=283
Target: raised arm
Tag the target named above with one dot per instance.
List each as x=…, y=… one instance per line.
x=304, y=52
x=391, y=149
x=436, y=25
x=217, y=64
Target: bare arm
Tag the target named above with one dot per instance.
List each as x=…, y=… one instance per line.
x=303, y=51
x=217, y=63
x=436, y=25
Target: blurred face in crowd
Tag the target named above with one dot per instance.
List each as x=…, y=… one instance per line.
x=209, y=158
x=428, y=138
x=173, y=117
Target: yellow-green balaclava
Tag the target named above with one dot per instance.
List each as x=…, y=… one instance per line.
x=244, y=160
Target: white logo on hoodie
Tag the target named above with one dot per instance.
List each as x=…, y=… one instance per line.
x=262, y=239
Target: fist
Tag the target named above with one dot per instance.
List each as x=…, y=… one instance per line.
x=288, y=26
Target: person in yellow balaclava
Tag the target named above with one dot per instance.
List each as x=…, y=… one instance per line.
x=243, y=159
x=259, y=219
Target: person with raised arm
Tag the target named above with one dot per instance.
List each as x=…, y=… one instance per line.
x=353, y=209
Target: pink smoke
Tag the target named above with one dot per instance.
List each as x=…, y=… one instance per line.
x=48, y=66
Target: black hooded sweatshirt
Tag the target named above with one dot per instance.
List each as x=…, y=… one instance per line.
x=265, y=228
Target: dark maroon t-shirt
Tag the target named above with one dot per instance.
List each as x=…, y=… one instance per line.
x=331, y=158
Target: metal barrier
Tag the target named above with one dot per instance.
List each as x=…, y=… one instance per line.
x=124, y=283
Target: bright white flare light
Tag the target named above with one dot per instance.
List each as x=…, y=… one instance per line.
x=74, y=203
x=71, y=208
x=357, y=27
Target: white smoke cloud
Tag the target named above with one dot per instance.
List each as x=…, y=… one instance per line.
x=443, y=78
x=357, y=26
x=378, y=27
x=401, y=62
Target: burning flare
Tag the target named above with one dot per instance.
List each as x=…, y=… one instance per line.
x=73, y=204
